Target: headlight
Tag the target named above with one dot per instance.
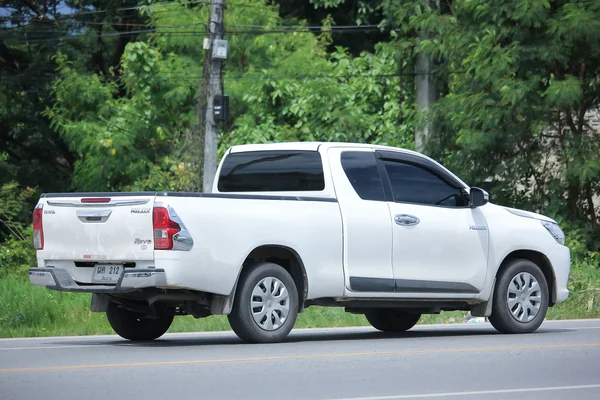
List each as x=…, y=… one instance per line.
x=555, y=231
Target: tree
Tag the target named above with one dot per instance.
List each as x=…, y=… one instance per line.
x=522, y=86
x=133, y=132
x=31, y=32
x=33, y=153
x=357, y=14
x=337, y=98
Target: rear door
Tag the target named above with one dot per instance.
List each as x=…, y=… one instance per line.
x=98, y=227
x=367, y=226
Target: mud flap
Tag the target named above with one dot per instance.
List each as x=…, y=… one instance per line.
x=99, y=302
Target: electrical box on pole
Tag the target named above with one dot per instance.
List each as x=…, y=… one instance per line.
x=221, y=107
x=219, y=49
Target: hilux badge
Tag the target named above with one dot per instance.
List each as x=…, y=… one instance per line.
x=477, y=227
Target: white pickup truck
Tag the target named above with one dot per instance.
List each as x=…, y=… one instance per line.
x=381, y=231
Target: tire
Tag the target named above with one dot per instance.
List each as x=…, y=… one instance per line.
x=264, y=286
x=133, y=326
x=517, y=306
x=391, y=320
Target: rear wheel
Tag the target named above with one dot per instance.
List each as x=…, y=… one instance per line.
x=134, y=326
x=391, y=320
x=266, y=304
x=520, y=298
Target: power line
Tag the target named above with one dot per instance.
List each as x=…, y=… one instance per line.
x=171, y=33
x=95, y=36
x=333, y=27
x=100, y=23
x=258, y=29
x=149, y=6
x=116, y=9
x=166, y=77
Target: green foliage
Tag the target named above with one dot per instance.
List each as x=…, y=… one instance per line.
x=17, y=255
x=347, y=100
x=139, y=132
x=16, y=249
x=121, y=141
x=521, y=83
x=585, y=276
x=584, y=287
x=14, y=203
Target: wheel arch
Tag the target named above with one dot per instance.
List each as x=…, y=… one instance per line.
x=541, y=261
x=282, y=255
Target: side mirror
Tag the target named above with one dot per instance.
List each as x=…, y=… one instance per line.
x=478, y=197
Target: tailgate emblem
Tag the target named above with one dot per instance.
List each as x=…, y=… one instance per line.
x=140, y=211
x=477, y=227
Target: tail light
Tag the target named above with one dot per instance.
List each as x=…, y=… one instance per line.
x=38, y=229
x=164, y=228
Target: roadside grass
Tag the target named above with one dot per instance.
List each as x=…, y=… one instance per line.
x=27, y=310
x=584, y=285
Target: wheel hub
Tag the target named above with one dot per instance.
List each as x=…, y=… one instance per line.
x=270, y=303
x=524, y=297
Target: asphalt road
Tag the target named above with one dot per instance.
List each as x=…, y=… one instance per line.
x=470, y=361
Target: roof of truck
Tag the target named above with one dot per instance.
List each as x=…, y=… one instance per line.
x=311, y=146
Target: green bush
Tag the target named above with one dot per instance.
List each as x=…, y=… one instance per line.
x=584, y=287
x=17, y=255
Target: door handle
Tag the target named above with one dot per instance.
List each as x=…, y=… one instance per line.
x=406, y=220
x=93, y=215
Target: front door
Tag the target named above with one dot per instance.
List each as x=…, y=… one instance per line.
x=440, y=244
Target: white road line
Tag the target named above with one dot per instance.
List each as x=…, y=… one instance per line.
x=473, y=393
x=571, y=320
x=582, y=327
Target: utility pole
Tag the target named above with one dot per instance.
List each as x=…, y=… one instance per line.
x=215, y=26
x=426, y=96
x=427, y=93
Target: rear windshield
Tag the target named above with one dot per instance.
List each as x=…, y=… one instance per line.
x=272, y=171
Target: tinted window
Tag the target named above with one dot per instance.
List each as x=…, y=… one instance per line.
x=272, y=171
x=413, y=184
x=361, y=170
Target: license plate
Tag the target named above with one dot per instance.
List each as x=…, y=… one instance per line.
x=107, y=273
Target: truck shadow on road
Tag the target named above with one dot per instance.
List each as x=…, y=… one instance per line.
x=228, y=338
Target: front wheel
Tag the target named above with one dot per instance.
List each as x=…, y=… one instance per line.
x=391, y=320
x=134, y=326
x=520, y=298
x=265, y=305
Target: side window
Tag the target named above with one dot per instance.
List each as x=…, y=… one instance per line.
x=272, y=171
x=361, y=169
x=413, y=184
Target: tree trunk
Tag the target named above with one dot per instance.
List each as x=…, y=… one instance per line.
x=573, y=195
x=591, y=208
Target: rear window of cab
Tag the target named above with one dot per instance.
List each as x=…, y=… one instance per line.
x=272, y=171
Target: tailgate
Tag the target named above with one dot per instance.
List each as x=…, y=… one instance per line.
x=93, y=227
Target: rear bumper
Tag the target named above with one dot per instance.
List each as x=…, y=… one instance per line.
x=130, y=280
